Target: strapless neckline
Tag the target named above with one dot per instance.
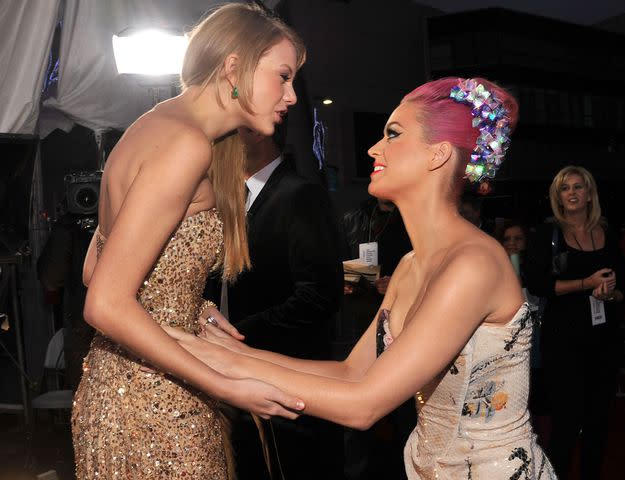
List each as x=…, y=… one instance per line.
x=385, y=336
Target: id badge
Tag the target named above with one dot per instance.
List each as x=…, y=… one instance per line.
x=597, y=311
x=368, y=253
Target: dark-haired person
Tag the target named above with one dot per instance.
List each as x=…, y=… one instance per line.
x=459, y=342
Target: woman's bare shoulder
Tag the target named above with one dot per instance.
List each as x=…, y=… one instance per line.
x=484, y=266
x=405, y=262
x=479, y=255
x=157, y=137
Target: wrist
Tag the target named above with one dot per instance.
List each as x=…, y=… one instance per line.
x=229, y=362
x=217, y=385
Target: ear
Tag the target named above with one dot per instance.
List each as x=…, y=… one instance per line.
x=441, y=153
x=231, y=64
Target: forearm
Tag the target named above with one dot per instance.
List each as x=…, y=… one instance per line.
x=325, y=368
x=563, y=287
x=129, y=325
x=338, y=401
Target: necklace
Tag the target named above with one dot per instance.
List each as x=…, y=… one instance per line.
x=592, y=240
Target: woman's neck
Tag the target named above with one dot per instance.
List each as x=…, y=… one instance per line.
x=577, y=221
x=430, y=223
x=213, y=119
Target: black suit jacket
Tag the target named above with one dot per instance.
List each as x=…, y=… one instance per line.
x=287, y=302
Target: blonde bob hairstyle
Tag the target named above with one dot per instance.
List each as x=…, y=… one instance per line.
x=249, y=32
x=593, y=212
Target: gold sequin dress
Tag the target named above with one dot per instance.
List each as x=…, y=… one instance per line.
x=473, y=419
x=130, y=424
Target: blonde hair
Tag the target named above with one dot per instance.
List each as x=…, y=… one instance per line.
x=249, y=32
x=226, y=176
x=593, y=217
x=242, y=29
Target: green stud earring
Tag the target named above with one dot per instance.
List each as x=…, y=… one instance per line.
x=235, y=93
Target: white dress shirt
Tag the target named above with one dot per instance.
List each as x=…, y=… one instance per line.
x=257, y=181
x=255, y=185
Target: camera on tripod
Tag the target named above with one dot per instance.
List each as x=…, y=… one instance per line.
x=82, y=191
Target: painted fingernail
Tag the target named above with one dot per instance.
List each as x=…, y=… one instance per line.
x=300, y=405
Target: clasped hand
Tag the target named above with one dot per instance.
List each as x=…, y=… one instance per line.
x=604, y=283
x=215, y=345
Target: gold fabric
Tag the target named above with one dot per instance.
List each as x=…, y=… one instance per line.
x=127, y=423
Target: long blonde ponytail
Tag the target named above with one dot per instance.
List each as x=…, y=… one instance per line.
x=226, y=174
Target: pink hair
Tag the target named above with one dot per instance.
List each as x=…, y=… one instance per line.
x=444, y=119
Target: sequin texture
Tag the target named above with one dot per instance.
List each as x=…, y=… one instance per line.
x=127, y=423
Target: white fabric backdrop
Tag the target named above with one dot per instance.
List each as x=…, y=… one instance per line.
x=26, y=30
x=90, y=92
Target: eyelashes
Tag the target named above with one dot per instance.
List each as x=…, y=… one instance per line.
x=390, y=133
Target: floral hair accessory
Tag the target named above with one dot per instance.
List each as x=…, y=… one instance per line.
x=490, y=116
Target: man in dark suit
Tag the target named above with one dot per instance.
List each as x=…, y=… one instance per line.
x=287, y=303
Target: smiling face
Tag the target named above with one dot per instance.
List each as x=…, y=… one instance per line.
x=272, y=88
x=573, y=194
x=400, y=158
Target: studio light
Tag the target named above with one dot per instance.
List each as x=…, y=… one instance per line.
x=327, y=101
x=149, y=52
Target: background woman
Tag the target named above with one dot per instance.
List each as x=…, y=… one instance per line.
x=576, y=264
x=171, y=208
x=452, y=329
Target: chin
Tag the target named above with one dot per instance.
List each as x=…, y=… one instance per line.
x=375, y=190
x=260, y=125
x=266, y=129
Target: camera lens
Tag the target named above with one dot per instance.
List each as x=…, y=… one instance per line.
x=86, y=197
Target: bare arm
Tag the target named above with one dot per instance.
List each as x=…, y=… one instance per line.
x=432, y=337
x=90, y=261
x=154, y=205
x=352, y=368
x=562, y=287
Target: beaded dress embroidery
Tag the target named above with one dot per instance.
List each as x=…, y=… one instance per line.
x=127, y=423
x=473, y=421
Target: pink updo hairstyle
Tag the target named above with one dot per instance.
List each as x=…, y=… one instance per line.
x=444, y=119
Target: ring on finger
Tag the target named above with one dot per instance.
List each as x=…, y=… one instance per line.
x=213, y=321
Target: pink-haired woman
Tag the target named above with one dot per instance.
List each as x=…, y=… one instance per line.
x=453, y=330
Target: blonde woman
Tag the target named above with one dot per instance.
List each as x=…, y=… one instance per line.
x=576, y=264
x=171, y=208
